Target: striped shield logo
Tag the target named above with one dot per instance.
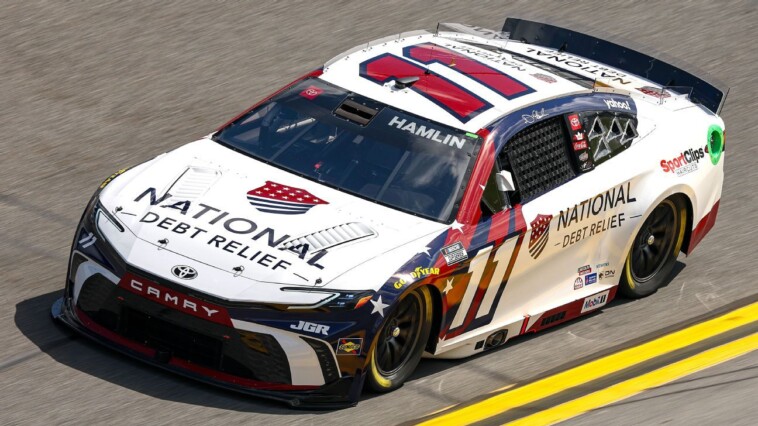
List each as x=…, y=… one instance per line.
x=540, y=234
x=282, y=199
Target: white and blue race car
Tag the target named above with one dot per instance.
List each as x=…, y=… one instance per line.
x=431, y=194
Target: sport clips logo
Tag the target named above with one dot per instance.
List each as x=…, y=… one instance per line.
x=685, y=163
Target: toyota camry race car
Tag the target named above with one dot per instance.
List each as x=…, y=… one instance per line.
x=432, y=194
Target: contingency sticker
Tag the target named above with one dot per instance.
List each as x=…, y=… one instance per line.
x=454, y=253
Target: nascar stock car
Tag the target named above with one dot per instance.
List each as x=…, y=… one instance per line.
x=428, y=194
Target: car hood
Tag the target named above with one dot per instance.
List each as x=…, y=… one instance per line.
x=232, y=219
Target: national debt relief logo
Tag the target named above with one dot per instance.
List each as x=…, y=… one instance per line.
x=540, y=234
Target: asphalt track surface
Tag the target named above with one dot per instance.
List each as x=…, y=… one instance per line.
x=89, y=87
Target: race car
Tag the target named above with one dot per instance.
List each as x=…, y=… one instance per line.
x=428, y=194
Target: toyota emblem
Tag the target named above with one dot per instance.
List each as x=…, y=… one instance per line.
x=184, y=272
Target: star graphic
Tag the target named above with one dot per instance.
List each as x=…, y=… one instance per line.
x=481, y=186
x=378, y=306
x=457, y=226
x=425, y=250
x=448, y=285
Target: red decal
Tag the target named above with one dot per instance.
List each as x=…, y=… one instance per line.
x=564, y=313
x=311, y=92
x=454, y=99
x=470, y=210
x=274, y=197
x=540, y=234
x=174, y=299
x=494, y=79
x=702, y=228
x=578, y=146
x=574, y=122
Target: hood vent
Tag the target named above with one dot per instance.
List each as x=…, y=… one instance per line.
x=194, y=183
x=357, y=113
x=332, y=237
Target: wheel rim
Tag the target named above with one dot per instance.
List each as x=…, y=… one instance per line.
x=654, y=242
x=399, y=336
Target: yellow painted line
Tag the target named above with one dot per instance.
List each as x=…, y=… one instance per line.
x=504, y=388
x=584, y=373
x=639, y=384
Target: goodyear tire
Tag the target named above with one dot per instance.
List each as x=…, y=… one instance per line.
x=401, y=341
x=654, y=249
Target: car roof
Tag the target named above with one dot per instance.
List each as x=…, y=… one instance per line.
x=469, y=67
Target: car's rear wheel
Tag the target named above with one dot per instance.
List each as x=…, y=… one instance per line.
x=401, y=341
x=654, y=250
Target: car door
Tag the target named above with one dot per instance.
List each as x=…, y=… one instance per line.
x=536, y=247
x=572, y=209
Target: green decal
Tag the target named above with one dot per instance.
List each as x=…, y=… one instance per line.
x=472, y=135
x=715, y=143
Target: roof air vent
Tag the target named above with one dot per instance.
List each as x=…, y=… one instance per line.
x=355, y=112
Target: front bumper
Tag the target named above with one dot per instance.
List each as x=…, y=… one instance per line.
x=344, y=392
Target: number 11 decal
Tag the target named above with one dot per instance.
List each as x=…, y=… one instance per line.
x=478, y=305
x=457, y=100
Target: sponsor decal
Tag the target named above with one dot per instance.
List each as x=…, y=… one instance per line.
x=590, y=279
x=594, y=302
x=421, y=272
x=430, y=133
x=586, y=166
x=685, y=163
x=202, y=219
x=586, y=269
x=578, y=283
x=540, y=234
x=497, y=57
x=311, y=327
x=584, y=156
x=534, y=116
x=608, y=273
x=454, y=253
x=655, y=92
x=311, y=92
x=544, y=77
x=184, y=272
x=574, y=122
x=591, y=207
x=398, y=284
x=349, y=346
x=282, y=199
x=579, y=64
x=580, y=145
x=601, y=265
x=174, y=299
x=111, y=177
x=613, y=103
x=578, y=136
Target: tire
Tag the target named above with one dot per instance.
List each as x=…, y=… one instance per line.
x=654, y=249
x=401, y=341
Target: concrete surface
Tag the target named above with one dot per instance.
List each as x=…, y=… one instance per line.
x=89, y=87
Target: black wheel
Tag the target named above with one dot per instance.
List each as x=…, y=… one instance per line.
x=401, y=341
x=654, y=250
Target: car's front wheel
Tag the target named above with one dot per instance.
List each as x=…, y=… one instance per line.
x=401, y=341
x=654, y=249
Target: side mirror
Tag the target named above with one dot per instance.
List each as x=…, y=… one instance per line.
x=504, y=181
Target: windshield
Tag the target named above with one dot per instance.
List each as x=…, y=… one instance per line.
x=357, y=145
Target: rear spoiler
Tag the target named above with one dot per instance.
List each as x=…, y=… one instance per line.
x=623, y=58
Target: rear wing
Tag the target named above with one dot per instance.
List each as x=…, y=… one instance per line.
x=614, y=55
